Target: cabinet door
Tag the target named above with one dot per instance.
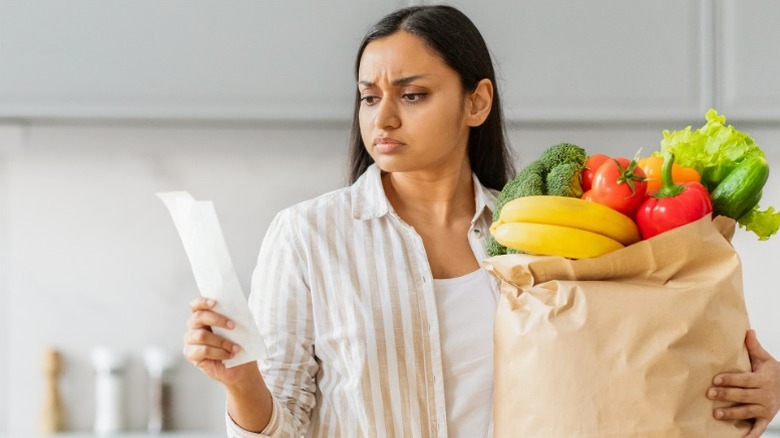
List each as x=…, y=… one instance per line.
x=182, y=59
x=599, y=60
x=748, y=58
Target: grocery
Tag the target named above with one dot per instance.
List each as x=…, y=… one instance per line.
x=652, y=165
x=539, y=176
x=571, y=212
x=673, y=205
x=556, y=240
x=566, y=203
x=741, y=189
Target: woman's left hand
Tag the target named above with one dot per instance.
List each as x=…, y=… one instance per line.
x=757, y=393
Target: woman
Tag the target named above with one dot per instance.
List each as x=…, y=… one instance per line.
x=377, y=317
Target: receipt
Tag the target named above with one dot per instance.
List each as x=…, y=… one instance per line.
x=204, y=243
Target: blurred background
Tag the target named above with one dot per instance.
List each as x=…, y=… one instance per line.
x=248, y=104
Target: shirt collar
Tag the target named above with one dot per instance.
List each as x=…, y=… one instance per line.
x=368, y=196
x=369, y=200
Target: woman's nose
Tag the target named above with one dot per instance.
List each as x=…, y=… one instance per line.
x=387, y=115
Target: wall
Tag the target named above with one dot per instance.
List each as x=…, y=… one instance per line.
x=93, y=259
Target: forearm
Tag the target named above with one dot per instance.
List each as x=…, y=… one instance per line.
x=249, y=402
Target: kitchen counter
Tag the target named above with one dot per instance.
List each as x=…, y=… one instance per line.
x=775, y=433
x=129, y=434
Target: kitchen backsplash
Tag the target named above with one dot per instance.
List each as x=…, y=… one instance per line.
x=89, y=256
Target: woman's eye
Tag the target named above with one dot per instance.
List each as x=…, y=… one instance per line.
x=413, y=97
x=369, y=100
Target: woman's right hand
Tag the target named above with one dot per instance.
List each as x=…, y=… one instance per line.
x=249, y=402
x=206, y=350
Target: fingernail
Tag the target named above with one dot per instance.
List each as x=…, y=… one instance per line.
x=210, y=302
x=718, y=380
x=231, y=325
x=712, y=393
x=718, y=414
x=236, y=348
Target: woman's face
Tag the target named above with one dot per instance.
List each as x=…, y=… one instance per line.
x=412, y=106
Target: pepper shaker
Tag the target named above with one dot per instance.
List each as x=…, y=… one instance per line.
x=53, y=419
x=158, y=363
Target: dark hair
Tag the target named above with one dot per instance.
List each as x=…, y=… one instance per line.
x=451, y=34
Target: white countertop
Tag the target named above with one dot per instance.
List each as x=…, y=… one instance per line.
x=775, y=433
x=130, y=434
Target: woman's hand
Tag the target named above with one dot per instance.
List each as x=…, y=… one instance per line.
x=249, y=402
x=206, y=350
x=758, y=392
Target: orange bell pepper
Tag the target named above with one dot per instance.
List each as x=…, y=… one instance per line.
x=652, y=168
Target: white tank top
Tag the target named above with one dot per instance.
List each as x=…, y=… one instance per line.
x=466, y=307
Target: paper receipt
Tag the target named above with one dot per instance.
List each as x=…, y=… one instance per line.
x=204, y=243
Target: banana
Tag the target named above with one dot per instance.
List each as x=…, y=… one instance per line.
x=571, y=212
x=546, y=239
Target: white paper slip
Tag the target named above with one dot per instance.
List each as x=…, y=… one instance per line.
x=198, y=227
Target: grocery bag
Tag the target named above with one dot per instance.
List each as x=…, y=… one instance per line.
x=622, y=345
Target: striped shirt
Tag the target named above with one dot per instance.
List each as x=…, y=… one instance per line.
x=344, y=298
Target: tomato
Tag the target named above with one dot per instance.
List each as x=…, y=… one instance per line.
x=593, y=163
x=652, y=168
x=619, y=184
x=588, y=196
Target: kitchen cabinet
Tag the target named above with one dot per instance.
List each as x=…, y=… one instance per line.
x=747, y=58
x=557, y=60
x=180, y=59
x=604, y=61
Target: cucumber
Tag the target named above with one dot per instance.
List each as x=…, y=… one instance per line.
x=741, y=189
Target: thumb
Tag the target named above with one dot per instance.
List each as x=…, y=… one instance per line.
x=755, y=350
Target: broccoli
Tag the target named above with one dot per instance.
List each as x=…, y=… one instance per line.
x=494, y=248
x=557, y=172
x=562, y=153
x=564, y=180
x=528, y=182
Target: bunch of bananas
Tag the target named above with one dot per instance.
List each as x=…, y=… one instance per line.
x=562, y=226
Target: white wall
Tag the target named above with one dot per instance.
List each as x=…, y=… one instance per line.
x=92, y=257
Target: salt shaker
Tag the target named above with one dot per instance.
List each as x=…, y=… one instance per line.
x=109, y=390
x=158, y=362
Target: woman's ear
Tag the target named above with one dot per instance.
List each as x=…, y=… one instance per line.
x=479, y=103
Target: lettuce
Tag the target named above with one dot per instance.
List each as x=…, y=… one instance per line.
x=714, y=150
x=763, y=223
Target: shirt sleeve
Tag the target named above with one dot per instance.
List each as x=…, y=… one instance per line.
x=281, y=304
x=272, y=429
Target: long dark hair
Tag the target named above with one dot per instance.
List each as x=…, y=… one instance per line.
x=455, y=38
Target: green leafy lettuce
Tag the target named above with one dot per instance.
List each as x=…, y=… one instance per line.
x=714, y=150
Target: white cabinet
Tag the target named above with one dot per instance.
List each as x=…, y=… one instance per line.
x=557, y=60
x=181, y=59
x=748, y=58
x=599, y=60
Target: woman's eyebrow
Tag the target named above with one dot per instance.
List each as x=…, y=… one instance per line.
x=400, y=81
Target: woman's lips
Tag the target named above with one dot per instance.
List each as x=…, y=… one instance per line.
x=386, y=145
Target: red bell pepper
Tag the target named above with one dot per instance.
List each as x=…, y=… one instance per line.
x=673, y=205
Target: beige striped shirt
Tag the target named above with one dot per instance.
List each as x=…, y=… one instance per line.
x=343, y=295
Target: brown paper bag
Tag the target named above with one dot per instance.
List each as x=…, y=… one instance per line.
x=623, y=345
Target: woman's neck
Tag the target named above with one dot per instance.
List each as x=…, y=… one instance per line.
x=434, y=198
